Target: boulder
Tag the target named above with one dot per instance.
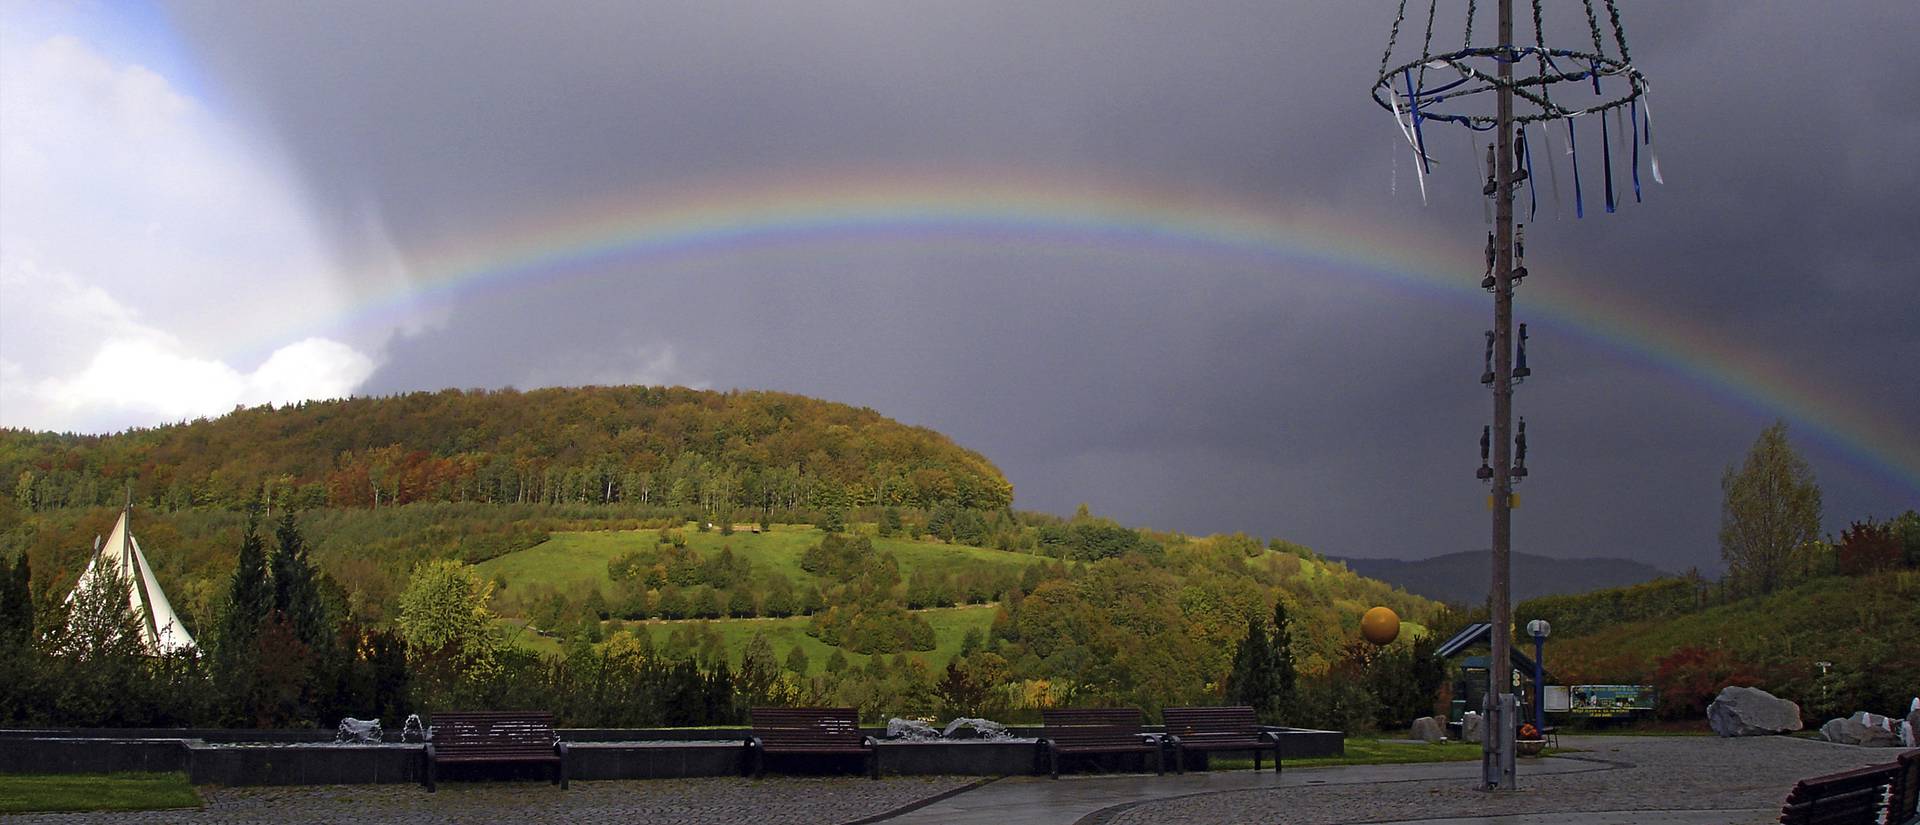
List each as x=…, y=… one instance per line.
x=1910, y=734
x=1870, y=730
x=1745, y=711
x=1429, y=729
x=1471, y=726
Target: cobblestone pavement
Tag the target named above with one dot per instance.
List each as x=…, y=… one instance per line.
x=719, y=801
x=1614, y=781
x=1725, y=780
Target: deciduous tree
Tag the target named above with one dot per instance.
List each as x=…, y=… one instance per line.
x=1770, y=507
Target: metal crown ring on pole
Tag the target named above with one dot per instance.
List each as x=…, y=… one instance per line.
x=1471, y=81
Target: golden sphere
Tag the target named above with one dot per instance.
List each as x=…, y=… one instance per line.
x=1380, y=626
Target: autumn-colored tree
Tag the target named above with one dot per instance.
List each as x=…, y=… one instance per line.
x=1771, y=508
x=1866, y=548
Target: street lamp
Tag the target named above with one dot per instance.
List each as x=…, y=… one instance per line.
x=1539, y=629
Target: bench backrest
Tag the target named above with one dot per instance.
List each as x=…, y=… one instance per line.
x=1846, y=797
x=496, y=731
x=1903, y=797
x=1231, y=720
x=807, y=726
x=1092, y=726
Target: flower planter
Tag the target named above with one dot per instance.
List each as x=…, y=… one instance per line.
x=1529, y=747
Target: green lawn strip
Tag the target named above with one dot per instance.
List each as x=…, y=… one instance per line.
x=25, y=793
x=1374, y=752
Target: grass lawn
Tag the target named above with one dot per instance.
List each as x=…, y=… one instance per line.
x=574, y=562
x=1376, y=752
x=23, y=793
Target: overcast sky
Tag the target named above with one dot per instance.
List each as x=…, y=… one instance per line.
x=196, y=197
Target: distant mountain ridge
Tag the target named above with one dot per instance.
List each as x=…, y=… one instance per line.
x=1461, y=578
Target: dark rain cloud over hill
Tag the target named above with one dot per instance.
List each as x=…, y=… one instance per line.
x=1183, y=391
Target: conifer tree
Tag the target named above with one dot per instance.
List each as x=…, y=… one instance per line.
x=1251, y=681
x=1285, y=676
x=16, y=602
x=296, y=592
x=249, y=594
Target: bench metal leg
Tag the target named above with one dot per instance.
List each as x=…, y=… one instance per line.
x=1053, y=758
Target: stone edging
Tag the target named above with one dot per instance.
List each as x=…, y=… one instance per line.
x=922, y=803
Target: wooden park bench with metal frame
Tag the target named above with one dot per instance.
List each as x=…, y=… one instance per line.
x=818, y=731
x=494, y=737
x=1854, y=797
x=1097, y=730
x=1230, y=728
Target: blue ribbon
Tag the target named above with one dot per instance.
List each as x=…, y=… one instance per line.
x=1579, y=203
x=1634, y=108
x=1533, y=196
x=1419, y=138
x=1606, y=160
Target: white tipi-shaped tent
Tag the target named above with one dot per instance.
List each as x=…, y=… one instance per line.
x=161, y=631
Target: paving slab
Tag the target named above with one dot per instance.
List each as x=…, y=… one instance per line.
x=1689, y=779
x=1037, y=799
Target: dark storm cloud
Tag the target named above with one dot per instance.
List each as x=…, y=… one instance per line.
x=1197, y=393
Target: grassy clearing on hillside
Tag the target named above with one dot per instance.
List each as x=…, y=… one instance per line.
x=574, y=563
x=950, y=626
x=23, y=793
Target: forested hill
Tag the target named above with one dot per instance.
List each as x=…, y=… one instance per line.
x=660, y=446
x=1461, y=578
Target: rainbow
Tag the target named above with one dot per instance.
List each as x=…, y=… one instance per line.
x=1096, y=216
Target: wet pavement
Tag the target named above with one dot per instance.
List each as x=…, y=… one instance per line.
x=1612, y=781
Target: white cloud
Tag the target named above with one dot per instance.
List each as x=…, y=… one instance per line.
x=139, y=374
x=153, y=262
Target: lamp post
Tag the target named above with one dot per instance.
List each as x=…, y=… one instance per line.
x=1539, y=629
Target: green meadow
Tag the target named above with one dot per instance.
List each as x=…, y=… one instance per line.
x=574, y=562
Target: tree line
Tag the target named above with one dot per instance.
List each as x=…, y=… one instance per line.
x=652, y=446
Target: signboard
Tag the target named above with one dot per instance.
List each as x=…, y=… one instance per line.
x=1556, y=699
x=1608, y=700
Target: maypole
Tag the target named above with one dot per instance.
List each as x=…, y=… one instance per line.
x=1457, y=94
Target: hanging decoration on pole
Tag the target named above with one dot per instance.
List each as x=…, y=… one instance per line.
x=1559, y=83
x=1502, y=87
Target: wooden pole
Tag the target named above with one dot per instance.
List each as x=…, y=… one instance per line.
x=1497, y=742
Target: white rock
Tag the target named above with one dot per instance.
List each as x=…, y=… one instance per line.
x=1429, y=729
x=1746, y=711
x=1865, y=729
x=1471, y=726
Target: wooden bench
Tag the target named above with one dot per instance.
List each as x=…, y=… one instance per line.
x=1097, y=730
x=1903, y=792
x=494, y=737
x=1854, y=797
x=1230, y=728
x=822, y=731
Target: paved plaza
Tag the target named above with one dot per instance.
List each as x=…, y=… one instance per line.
x=1612, y=780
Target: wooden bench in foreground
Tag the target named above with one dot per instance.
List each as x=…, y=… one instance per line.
x=821, y=731
x=1855, y=797
x=1230, y=728
x=1097, y=730
x=495, y=737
